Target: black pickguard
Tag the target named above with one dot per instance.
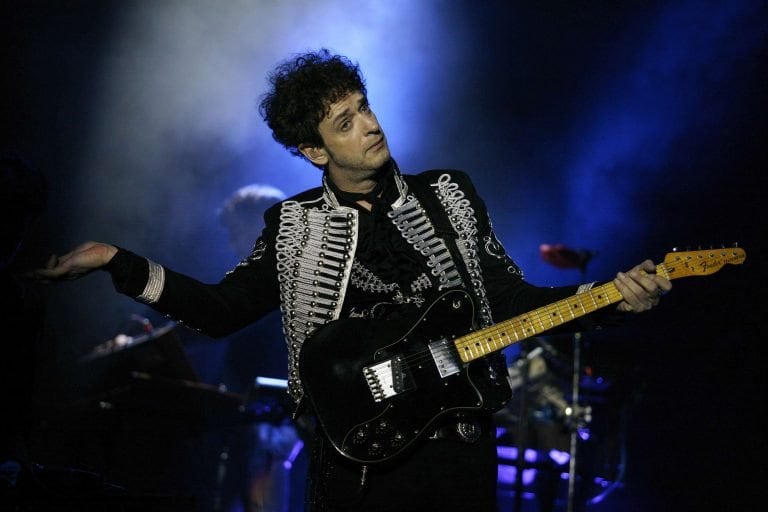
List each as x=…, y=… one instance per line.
x=332, y=364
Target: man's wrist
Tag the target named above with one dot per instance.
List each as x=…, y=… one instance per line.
x=111, y=251
x=129, y=271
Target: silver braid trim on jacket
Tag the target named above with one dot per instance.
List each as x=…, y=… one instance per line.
x=413, y=223
x=155, y=284
x=462, y=218
x=364, y=279
x=494, y=248
x=314, y=248
x=256, y=254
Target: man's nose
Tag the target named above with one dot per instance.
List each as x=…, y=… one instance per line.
x=372, y=125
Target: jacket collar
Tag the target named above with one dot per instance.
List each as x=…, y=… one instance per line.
x=402, y=188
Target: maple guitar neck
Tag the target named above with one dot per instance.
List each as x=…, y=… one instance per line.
x=483, y=342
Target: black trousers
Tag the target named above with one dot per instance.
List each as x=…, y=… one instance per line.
x=440, y=475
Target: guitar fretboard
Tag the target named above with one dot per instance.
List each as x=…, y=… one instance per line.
x=499, y=336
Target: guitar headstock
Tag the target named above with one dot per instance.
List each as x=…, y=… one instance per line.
x=702, y=262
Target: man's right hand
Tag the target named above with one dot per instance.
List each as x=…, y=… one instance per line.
x=81, y=261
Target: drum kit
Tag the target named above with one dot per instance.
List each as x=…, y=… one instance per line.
x=143, y=420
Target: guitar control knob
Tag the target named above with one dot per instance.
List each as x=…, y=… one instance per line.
x=383, y=427
x=360, y=436
x=398, y=439
x=375, y=449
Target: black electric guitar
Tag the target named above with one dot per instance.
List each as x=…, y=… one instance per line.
x=377, y=387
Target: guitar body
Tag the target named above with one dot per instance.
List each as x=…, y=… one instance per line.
x=377, y=386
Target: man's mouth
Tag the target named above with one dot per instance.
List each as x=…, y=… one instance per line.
x=376, y=145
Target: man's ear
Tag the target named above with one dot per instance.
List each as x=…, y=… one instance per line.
x=314, y=154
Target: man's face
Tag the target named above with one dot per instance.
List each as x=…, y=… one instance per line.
x=354, y=145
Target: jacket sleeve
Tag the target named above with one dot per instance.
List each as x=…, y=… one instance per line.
x=243, y=295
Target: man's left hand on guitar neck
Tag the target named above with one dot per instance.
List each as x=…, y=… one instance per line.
x=640, y=287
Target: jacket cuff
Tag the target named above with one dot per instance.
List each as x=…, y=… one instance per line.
x=130, y=273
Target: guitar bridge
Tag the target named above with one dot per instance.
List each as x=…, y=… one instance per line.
x=444, y=358
x=386, y=379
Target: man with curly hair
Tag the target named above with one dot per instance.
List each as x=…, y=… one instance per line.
x=372, y=272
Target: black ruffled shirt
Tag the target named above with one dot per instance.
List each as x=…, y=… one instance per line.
x=381, y=248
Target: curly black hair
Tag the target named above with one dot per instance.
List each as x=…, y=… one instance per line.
x=302, y=90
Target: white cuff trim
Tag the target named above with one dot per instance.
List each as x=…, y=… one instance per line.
x=155, y=284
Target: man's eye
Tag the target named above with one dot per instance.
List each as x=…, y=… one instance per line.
x=345, y=126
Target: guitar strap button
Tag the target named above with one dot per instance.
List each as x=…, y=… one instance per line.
x=468, y=430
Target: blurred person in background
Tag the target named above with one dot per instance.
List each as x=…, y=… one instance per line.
x=272, y=481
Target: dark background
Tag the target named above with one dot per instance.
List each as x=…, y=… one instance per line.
x=623, y=128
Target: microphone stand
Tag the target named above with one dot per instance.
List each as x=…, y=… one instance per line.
x=564, y=257
x=522, y=429
x=574, y=426
x=578, y=415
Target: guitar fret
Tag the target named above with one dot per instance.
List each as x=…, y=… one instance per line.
x=488, y=345
x=560, y=309
x=554, y=317
x=584, y=308
x=594, y=302
x=526, y=321
x=570, y=310
x=500, y=339
x=502, y=336
x=576, y=307
x=475, y=346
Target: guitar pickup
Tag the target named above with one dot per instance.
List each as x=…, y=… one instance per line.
x=386, y=379
x=443, y=355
